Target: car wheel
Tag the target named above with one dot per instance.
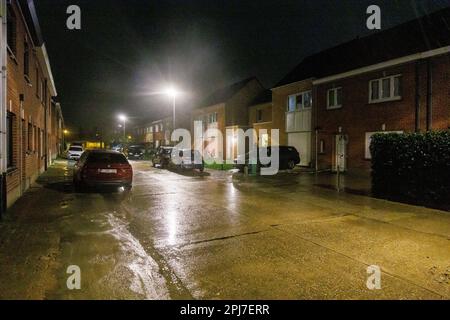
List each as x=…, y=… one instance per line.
x=291, y=164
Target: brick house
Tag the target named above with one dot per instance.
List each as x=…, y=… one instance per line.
x=292, y=113
x=226, y=108
x=34, y=122
x=158, y=133
x=260, y=118
x=396, y=80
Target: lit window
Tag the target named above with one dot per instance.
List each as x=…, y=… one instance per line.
x=299, y=101
x=264, y=140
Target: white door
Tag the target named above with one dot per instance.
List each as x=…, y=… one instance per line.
x=302, y=142
x=341, y=153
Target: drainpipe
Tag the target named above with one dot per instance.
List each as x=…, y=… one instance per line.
x=429, y=95
x=315, y=109
x=45, y=135
x=3, y=106
x=21, y=98
x=417, y=110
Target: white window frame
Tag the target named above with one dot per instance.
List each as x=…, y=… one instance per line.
x=392, y=97
x=302, y=107
x=335, y=91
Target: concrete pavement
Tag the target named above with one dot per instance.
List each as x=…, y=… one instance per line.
x=181, y=235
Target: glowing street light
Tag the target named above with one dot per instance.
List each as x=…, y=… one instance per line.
x=172, y=92
x=124, y=119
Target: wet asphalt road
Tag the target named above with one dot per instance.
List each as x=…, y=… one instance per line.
x=212, y=235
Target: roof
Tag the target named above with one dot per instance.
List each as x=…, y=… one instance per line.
x=426, y=33
x=226, y=93
x=263, y=97
x=29, y=12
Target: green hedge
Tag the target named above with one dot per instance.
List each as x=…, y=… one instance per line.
x=414, y=167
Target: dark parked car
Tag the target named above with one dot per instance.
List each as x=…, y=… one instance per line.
x=135, y=152
x=97, y=168
x=162, y=157
x=288, y=157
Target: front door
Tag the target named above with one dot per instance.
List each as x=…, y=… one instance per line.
x=341, y=153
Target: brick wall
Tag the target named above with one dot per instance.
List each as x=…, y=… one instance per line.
x=357, y=116
x=27, y=163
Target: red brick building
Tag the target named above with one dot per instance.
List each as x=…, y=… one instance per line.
x=396, y=80
x=34, y=122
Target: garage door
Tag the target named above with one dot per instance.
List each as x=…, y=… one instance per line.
x=302, y=142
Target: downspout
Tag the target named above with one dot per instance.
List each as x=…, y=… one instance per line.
x=316, y=128
x=417, y=104
x=3, y=106
x=21, y=156
x=429, y=95
x=45, y=136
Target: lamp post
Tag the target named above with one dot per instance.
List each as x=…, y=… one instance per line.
x=123, y=118
x=173, y=93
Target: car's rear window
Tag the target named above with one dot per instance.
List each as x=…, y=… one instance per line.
x=75, y=149
x=107, y=158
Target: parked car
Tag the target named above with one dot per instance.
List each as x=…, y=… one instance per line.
x=288, y=157
x=74, y=152
x=98, y=168
x=188, y=160
x=162, y=157
x=135, y=152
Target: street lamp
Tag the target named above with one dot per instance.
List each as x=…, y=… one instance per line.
x=124, y=119
x=172, y=93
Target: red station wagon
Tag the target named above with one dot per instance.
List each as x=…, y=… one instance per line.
x=98, y=168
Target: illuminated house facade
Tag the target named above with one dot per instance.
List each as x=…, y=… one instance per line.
x=227, y=108
x=33, y=120
x=396, y=80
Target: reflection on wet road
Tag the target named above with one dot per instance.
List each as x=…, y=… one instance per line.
x=212, y=235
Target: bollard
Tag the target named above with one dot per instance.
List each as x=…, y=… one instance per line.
x=338, y=187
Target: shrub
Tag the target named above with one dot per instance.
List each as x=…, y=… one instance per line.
x=413, y=166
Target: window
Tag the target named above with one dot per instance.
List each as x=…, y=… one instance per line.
x=385, y=89
x=30, y=137
x=264, y=140
x=334, y=98
x=41, y=143
x=299, y=101
x=322, y=147
x=26, y=59
x=35, y=132
x=259, y=115
x=12, y=30
x=10, y=138
x=212, y=118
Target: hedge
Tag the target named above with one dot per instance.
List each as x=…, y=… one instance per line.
x=413, y=166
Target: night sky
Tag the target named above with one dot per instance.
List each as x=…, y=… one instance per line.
x=128, y=49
